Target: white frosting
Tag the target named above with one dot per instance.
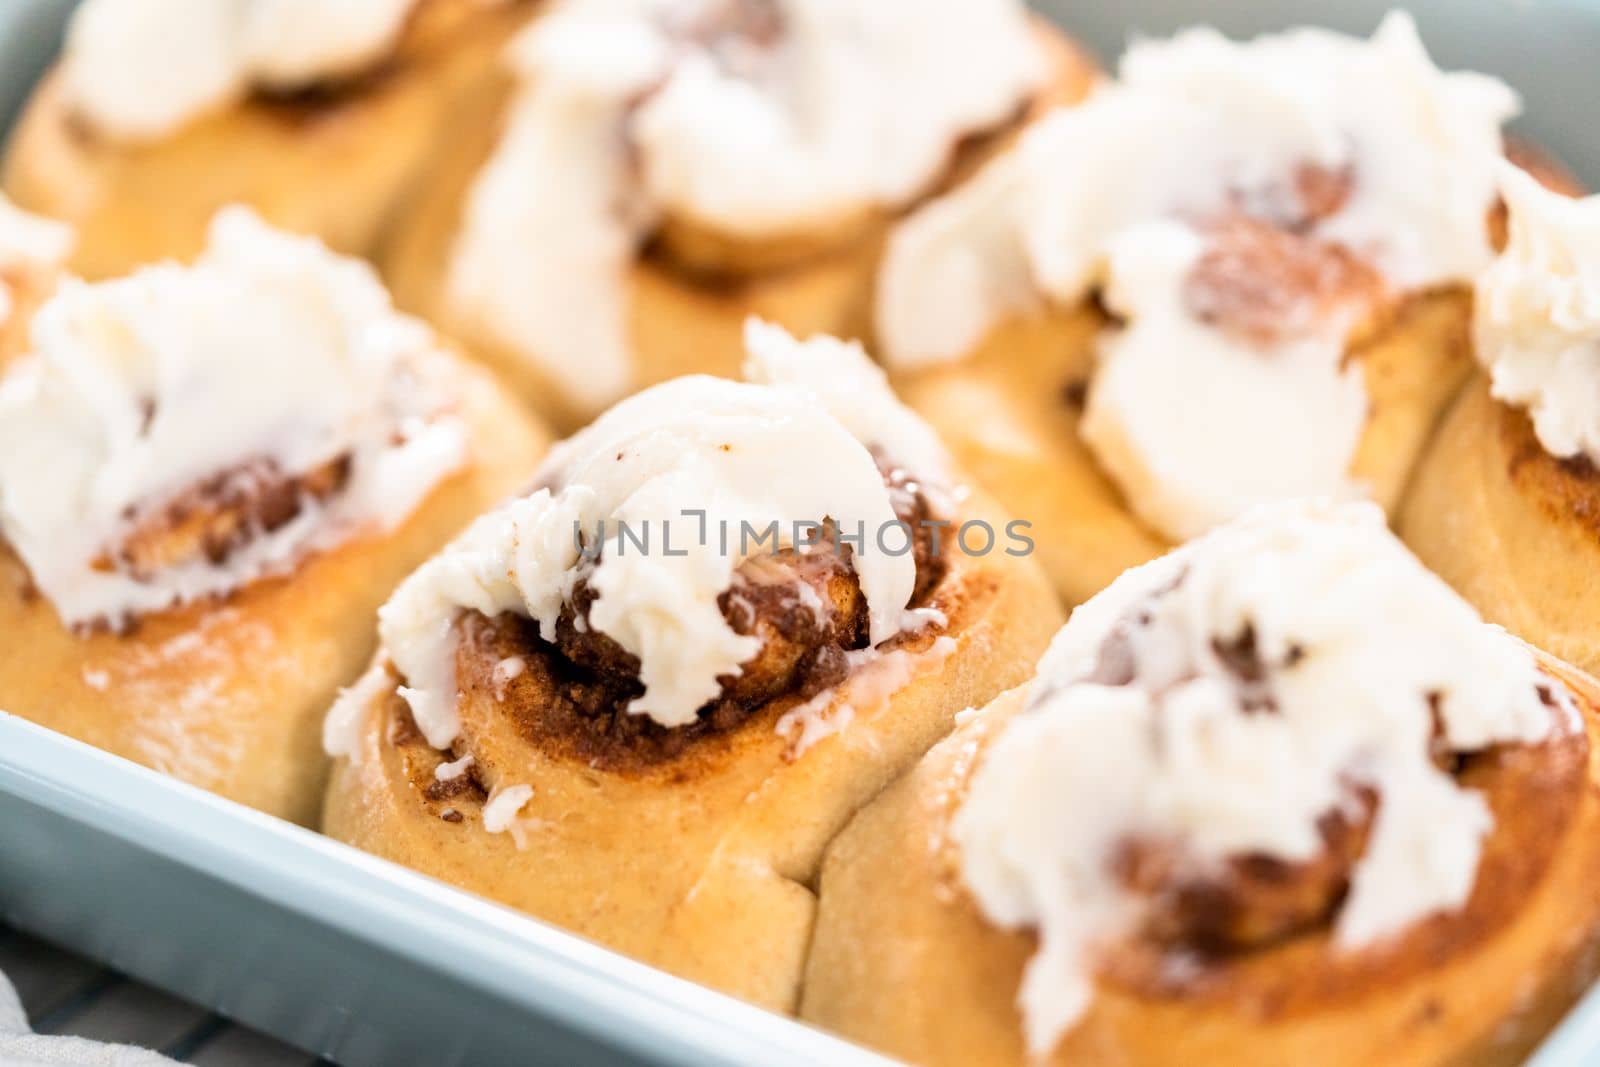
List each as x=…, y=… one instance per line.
x=342, y=729
x=874, y=678
x=1196, y=427
x=841, y=377
x=505, y=672
x=142, y=69
x=501, y=810
x=449, y=772
x=1197, y=128
x=628, y=111
x=269, y=349
x=743, y=453
x=28, y=244
x=1538, y=315
x=554, y=219
x=859, y=105
x=1355, y=637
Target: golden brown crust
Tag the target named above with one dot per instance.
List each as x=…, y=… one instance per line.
x=230, y=695
x=1515, y=530
x=900, y=944
x=698, y=862
x=329, y=162
x=1566, y=489
x=693, y=288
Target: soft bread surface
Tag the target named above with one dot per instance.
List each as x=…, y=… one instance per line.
x=904, y=962
x=701, y=863
x=332, y=163
x=1515, y=530
x=230, y=695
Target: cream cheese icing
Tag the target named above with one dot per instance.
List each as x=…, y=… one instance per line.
x=1538, y=315
x=28, y=243
x=268, y=353
x=1362, y=149
x=1141, y=726
x=692, y=463
x=143, y=69
x=843, y=379
x=1196, y=427
x=757, y=117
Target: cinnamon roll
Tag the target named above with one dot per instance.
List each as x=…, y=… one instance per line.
x=210, y=479
x=1506, y=501
x=32, y=250
x=162, y=112
x=1279, y=797
x=653, y=172
x=640, y=700
x=1237, y=274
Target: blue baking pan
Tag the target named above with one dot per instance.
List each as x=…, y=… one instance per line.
x=350, y=957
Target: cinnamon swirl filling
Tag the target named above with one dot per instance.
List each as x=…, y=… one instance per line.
x=1286, y=734
x=221, y=515
x=1253, y=900
x=1205, y=927
x=179, y=433
x=804, y=605
x=1267, y=284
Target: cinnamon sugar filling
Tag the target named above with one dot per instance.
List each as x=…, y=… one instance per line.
x=805, y=606
x=1254, y=901
x=221, y=515
x=1266, y=279
x=1216, y=925
x=1267, y=284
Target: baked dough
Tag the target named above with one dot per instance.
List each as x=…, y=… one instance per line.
x=332, y=163
x=229, y=695
x=700, y=862
x=1511, y=527
x=904, y=962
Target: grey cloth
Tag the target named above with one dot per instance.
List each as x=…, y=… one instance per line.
x=21, y=1047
